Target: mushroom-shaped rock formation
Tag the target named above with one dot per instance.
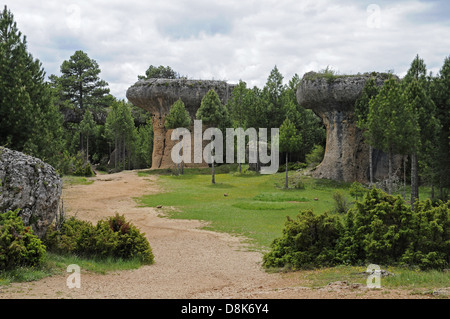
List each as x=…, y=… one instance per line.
x=333, y=99
x=158, y=95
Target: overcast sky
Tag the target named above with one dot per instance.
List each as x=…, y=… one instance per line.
x=236, y=39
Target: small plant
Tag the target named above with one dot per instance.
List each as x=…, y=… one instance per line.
x=112, y=237
x=19, y=246
x=357, y=190
x=315, y=157
x=341, y=204
x=381, y=229
x=307, y=242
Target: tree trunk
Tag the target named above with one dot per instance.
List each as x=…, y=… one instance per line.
x=390, y=172
x=238, y=159
x=116, y=151
x=405, y=157
x=286, y=185
x=370, y=166
x=87, y=148
x=414, y=180
x=123, y=154
x=213, y=178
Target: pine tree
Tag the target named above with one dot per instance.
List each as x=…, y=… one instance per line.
x=290, y=141
x=369, y=92
x=391, y=123
x=87, y=129
x=178, y=117
x=213, y=113
x=120, y=130
x=29, y=121
x=81, y=85
x=237, y=106
x=273, y=96
x=164, y=72
x=441, y=97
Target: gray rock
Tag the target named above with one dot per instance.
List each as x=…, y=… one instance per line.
x=31, y=185
x=333, y=99
x=157, y=97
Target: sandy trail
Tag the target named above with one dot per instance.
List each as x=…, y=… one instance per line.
x=190, y=263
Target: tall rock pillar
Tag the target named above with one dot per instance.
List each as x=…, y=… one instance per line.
x=333, y=100
x=158, y=95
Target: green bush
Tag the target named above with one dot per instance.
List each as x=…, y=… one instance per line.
x=73, y=165
x=112, y=237
x=316, y=156
x=18, y=244
x=292, y=167
x=377, y=230
x=341, y=204
x=429, y=246
x=309, y=241
x=381, y=229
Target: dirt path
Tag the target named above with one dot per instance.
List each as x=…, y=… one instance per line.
x=189, y=262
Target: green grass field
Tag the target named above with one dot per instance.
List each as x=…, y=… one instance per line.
x=256, y=207
x=251, y=205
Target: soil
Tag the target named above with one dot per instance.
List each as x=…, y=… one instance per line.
x=190, y=262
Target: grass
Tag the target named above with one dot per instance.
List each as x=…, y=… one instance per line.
x=256, y=207
x=247, y=204
x=76, y=180
x=401, y=277
x=55, y=264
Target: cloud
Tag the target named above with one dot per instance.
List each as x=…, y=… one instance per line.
x=235, y=40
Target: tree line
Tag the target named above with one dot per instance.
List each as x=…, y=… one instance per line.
x=410, y=117
x=72, y=120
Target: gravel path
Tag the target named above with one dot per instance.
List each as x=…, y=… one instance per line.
x=190, y=263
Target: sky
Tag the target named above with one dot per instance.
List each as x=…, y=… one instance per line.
x=235, y=39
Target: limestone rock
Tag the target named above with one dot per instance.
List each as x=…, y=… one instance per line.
x=346, y=155
x=158, y=95
x=31, y=185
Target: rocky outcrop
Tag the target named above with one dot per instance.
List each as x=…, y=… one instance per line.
x=32, y=186
x=333, y=98
x=158, y=95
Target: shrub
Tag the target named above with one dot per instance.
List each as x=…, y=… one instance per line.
x=429, y=246
x=307, y=242
x=381, y=229
x=341, y=204
x=112, y=237
x=73, y=165
x=18, y=244
x=292, y=167
x=315, y=157
x=377, y=230
x=357, y=190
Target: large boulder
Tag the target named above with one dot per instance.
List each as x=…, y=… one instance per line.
x=157, y=97
x=31, y=185
x=333, y=99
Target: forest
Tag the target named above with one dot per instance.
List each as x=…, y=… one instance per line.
x=71, y=121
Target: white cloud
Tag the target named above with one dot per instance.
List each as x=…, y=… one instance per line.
x=234, y=40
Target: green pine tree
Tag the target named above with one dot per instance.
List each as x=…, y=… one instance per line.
x=391, y=123
x=29, y=121
x=214, y=114
x=290, y=141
